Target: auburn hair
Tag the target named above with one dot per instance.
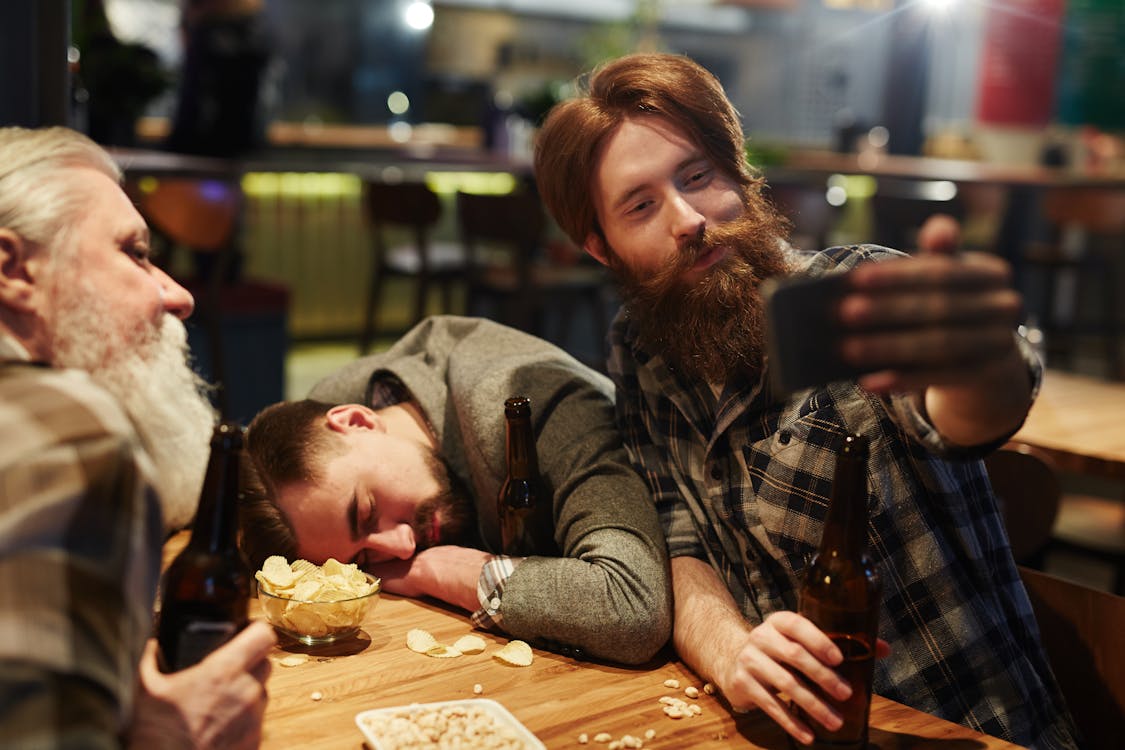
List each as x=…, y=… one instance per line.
x=672, y=87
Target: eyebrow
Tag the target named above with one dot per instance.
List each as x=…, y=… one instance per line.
x=353, y=517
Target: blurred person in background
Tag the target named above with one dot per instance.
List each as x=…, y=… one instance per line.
x=396, y=466
x=219, y=107
x=645, y=168
x=104, y=446
x=114, y=81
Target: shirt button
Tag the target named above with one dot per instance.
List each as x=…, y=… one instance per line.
x=494, y=603
x=783, y=437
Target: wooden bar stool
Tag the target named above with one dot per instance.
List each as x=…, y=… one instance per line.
x=1042, y=519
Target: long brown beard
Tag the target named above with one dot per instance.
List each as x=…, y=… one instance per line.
x=713, y=328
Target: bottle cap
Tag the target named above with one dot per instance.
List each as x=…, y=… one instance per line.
x=228, y=435
x=517, y=406
x=855, y=444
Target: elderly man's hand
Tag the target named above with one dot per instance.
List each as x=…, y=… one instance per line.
x=217, y=703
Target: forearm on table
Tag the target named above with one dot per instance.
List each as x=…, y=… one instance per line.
x=611, y=598
x=709, y=629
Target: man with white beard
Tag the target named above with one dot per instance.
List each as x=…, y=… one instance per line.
x=102, y=453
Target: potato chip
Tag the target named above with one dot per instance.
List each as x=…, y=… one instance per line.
x=516, y=653
x=308, y=590
x=274, y=608
x=469, y=644
x=304, y=566
x=277, y=573
x=333, y=567
x=293, y=660
x=420, y=641
x=305, y=621
x=441, y=651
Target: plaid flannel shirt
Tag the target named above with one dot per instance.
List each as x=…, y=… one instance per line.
x=80, y=540
x=742, y=480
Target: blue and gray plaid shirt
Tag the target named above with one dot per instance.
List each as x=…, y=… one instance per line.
x=742, y=480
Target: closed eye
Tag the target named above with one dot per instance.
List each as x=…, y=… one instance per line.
x=369, y=523
x=638, y=207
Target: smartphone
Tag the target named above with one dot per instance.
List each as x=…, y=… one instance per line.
x=802, y=335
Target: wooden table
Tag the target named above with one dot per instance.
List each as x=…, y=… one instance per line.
x=557, y=698
x=1080, y=421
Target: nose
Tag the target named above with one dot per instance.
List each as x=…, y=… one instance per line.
x=396, y=542
x=176, y=300
x=687, y=223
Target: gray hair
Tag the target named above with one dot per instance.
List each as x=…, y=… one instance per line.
x=36, y=201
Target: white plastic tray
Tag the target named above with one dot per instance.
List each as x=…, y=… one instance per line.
x=500, y=714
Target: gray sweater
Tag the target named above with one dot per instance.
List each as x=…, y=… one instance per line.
x=610, y=594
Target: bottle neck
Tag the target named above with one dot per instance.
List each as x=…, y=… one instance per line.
x=845, y=527
x=523, y=462
x=216, y=520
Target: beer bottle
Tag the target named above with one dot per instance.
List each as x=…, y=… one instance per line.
x=841, y=595
x=207, y=586
x=523, y=505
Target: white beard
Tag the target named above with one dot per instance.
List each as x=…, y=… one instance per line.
x=152, y=380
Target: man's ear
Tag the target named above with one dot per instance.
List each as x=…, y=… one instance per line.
x=595, y=246
x=17, y=282
x=345, y=418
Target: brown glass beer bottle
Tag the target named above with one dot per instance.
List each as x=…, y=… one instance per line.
x=841, y=595
x=206, y=588
x=523, y=504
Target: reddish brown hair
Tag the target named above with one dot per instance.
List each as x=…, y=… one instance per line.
x=669, y=86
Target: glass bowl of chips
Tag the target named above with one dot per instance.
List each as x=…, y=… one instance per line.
x=315, y=604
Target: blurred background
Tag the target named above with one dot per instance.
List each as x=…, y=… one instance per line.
x=304, y=103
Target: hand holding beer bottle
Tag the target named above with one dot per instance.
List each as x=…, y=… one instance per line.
x=206, y=588
x=841, y=595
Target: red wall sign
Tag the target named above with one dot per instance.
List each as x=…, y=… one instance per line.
x=1019, y=61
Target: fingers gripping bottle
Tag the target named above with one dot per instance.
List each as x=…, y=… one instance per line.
x=841, y=595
